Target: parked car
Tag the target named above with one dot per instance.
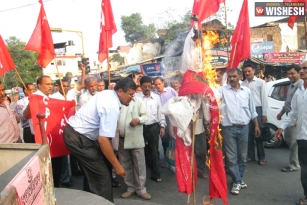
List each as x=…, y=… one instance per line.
x=277, y=94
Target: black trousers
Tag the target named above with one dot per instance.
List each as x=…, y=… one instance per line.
x=56, y=170
x=91, y=161
x=28, y=137
x=151, y=135
x=252, y=139
x=166, y=138
x=302, y=158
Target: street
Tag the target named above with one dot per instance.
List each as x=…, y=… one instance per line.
x=267, y=185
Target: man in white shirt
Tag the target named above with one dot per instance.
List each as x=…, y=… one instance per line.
x=257, y=87
x=154, y=126
x=238, y=110
x=299, y=112
x=91, y=88
x=28, y=137
x=88, y=136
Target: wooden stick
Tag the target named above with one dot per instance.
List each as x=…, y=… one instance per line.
x=17, y=73
x=108, y=62
x=41, y=117
x=56, y=65
x=227, y=43
x=192, y=161
x=233, y=55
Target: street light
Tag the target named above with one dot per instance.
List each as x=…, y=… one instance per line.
x=60, y=30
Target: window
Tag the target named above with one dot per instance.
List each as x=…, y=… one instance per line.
x=61, y=62
x=280, y=92
x=269, y=38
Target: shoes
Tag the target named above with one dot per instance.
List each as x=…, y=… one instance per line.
x=68, y=184
x=262, y=161
x=236, y=188
x=145, y=196
x=250, y=160
x=156, y=179
x=243, y=185
x=288, y=169
x=115, y=184
x=127, y=194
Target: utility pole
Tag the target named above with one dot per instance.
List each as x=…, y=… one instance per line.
x=60, y=30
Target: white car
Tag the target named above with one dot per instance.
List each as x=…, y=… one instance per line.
x=277, y=94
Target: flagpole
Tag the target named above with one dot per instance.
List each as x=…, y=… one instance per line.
x=20, y=78
x=233, y=55
x=305, y=30
x=108, y=63
x=61, y=83
x=227, y=43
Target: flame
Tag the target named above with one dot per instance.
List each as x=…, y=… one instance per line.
x=210, y=38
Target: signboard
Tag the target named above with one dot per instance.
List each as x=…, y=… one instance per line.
x=257, y=49
x=218, y=58
x=285, y=57
x=29, y=184
x=153, y=69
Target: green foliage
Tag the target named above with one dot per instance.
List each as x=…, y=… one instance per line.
x=25, y=62
x=135, y=30
x=118, y=58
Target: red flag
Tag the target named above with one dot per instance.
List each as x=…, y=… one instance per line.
x=41, y=39
x=240, y=40
x=292, y=19
x=193, y=82
x=107, y=29
x=6, y=61
x=205, y=8
x=57, y=113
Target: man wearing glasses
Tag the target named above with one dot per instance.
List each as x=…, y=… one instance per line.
x=88, y=132
x=154, y=126
x=290, y=132
x=299, y=113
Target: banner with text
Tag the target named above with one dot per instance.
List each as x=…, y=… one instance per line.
x=285, y=57
x=153, y=69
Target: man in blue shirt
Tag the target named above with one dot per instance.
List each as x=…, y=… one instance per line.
x=88, y=135
x=237, y=109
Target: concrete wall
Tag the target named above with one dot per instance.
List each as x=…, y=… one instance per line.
x=265, y=31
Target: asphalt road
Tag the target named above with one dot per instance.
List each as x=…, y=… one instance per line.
x=267, y=185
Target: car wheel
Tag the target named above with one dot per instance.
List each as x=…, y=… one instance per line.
x=272, y=143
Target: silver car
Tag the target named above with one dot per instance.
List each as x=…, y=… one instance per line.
x=277, y=94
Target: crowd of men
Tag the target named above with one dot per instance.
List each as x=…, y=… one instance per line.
x=118, y=130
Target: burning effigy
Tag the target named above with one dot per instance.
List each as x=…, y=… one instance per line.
x=196, y=106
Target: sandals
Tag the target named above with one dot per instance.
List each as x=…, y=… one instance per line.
x=158, y=179
x=262, y=161
x=287, y=169
x=302, y=202
x=116, y=184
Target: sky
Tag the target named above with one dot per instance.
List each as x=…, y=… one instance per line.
x=18, y=17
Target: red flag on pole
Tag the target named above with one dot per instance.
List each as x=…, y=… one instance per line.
x=41, y=39
x=240, y=40
x=205, y=8
x=292, y=19
x=6, y=61
x=107, y=29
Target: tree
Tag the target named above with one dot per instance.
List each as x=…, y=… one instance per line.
x=118, y=58
x=135, y=30
x=25, y=62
